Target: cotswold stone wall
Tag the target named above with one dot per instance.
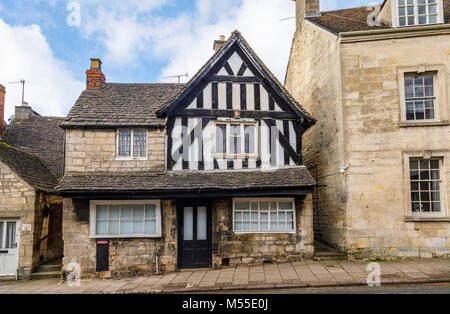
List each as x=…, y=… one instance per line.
x=128, y=257
x=17, y=201
x=251, y=249
x=313, y=78
x=95, y=151
x=354, y=91
x=378, y=145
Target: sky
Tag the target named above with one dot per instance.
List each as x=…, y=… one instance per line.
x=48, y=43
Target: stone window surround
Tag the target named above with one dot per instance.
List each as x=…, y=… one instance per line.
x=425, y=217
x=131, y=158
x=441, y=110
x=395, y=17
x=279, y=199
x=92, y=218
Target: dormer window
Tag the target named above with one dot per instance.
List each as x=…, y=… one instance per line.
x=419, y=12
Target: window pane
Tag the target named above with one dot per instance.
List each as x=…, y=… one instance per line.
x=113, y=227
x=126, y=212
x=436, y=207
x=150, y=227
x=221, y=139
x=102, y=211
x=285, y=205
x=138, y=227
x=434, y=164
x=433, y=19
x=114, y=211
x=238, y=226
x=139, y=143
x=11, y=235
x=235, y=140
x=201, y=223
x=124, y=143
x=188, y=222
x=150, y=211
x=249, y=139
x=242, y=205
x=102, y=227
x=138, y=212
x=125, y=226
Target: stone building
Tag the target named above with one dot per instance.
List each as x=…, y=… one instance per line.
x=161, y=177
x=377, y=81
x=31, y=160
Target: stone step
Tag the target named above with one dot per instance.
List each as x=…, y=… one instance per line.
x=49, y=268
x=46, y=275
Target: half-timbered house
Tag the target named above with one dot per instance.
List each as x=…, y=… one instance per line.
x=161, y=177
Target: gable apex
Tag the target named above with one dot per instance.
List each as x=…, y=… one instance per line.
x=235, y=53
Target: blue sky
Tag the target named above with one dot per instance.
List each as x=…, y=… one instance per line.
x=137, y=40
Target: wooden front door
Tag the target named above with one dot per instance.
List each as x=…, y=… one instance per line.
x=194, y=234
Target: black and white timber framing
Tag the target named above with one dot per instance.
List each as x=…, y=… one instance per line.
x=234, y=87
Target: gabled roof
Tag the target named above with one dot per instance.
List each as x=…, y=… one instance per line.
x=175, y=182
x=355, y=19
x=121, y=105
x=28, y=167
x=41, y=136
x=217, y=60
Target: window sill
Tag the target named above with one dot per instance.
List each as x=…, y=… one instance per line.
x=427, y=219
x=131, y=159
x=425, y=123
x=263, y=232
x=131, y=236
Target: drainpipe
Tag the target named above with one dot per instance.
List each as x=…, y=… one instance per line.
x=157, y=259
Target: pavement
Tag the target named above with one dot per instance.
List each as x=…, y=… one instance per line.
x=305, y=274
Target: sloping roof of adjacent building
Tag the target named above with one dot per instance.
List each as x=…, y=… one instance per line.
x=28, y=167
x=355, y=19
x=187, y=181
x=145, y=104
x=41, y=136
x=124, y=105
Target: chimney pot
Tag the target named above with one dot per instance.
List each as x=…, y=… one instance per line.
x=94, y=76
x=218, y=44
x=2, y=109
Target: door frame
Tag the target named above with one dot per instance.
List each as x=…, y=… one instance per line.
x=181, y=203
x=17, y=239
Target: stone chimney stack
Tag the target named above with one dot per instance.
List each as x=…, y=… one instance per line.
x=23, y=112
x=94, y=76
x=2, y=109
x=218, y=44
x=306, y=8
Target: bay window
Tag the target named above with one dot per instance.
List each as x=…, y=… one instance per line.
x=125, y=219
x=264, y=216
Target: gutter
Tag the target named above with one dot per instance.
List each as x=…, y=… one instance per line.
x=393, y=33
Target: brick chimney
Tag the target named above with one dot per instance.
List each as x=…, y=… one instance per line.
x=94, y=76
x=2, y=109
x=218, y=44
x=306, y=8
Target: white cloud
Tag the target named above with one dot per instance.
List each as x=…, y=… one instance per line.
x=50, y=87
x=184, y=42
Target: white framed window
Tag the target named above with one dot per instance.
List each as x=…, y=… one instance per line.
x=418, y=12
x=268, y=215
x=125, y=219
x=426, y=186
x=8, y=234
x=236, y=139
x=132, y=144
x=420, y=96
